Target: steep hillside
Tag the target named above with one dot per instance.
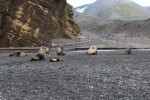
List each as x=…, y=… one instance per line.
x=35, y=22
x=115, y=9
x=95, y=28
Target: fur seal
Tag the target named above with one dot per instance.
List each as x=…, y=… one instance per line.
x=128, y=51
x=60, y=51
x=41, y=54
x=92, y=50
x=18, y=54
x=56, y=59
x=47, y=50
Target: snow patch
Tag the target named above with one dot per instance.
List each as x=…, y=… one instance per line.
x=81, y=10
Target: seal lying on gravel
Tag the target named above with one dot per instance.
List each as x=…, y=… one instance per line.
x=41, y=54
x=92, y=50
x=128, y=51
x=18, y=54
x=60, y=51
x=56, y=59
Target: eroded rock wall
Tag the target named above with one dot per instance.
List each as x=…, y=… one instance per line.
x=35, y=22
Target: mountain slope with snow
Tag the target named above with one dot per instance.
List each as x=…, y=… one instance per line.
x=96, y=28
x=115, y=9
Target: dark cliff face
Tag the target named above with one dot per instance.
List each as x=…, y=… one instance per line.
x=35, y=22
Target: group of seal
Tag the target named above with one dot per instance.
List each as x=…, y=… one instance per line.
x=60, y=52
x=93, y=51
x=43, y=50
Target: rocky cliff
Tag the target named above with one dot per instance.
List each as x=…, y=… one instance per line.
x=35, y=22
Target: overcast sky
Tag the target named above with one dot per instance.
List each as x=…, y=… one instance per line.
x=77, y=3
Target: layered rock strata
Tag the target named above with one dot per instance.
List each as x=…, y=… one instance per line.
x=35, y=22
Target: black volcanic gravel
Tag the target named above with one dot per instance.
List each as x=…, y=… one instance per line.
x=106, y=76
